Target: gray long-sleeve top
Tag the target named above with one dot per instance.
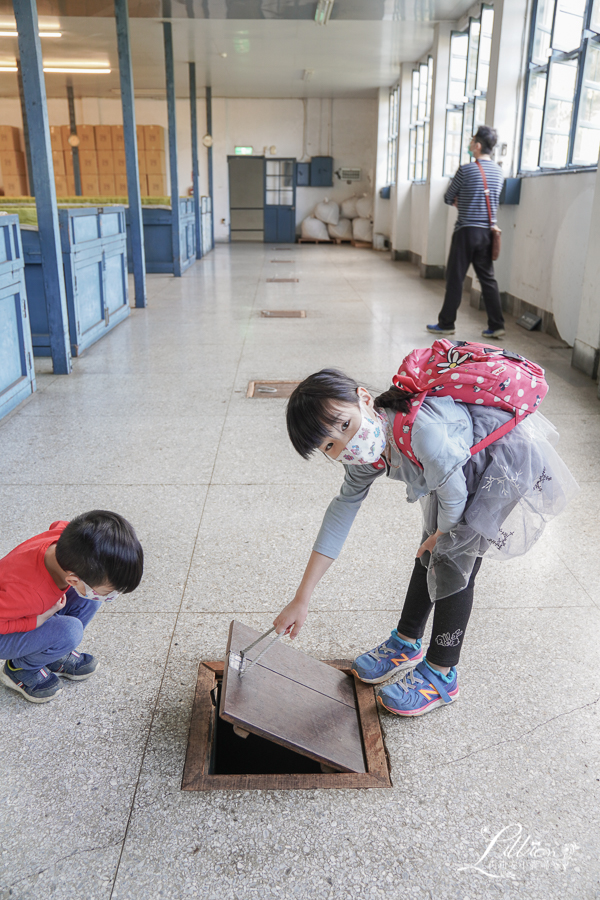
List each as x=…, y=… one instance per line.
x=442, y=436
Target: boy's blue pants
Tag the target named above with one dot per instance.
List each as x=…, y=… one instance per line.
x=59, y=634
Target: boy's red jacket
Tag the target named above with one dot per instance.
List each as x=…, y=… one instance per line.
x=27, y=588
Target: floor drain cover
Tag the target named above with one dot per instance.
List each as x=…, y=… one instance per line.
x=282, y=279
x=271, y=389
x=283, y=313
x=282, y=260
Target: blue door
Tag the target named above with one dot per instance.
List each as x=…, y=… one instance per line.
x=280, y=201
x=17, y=377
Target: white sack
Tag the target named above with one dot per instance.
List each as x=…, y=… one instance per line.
x=342, y=230
x=327, y=211
x=364, y=207
x=315, y=229
x=362, y=229
x=348, y=208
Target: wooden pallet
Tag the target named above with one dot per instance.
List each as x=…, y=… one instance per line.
x=342, y=240
x=362, y=245
x=303, y=240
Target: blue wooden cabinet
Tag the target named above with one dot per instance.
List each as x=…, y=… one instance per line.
x=158, y=237
x=17, y=374
x=321, y=171
x=94, y=248
x=302, y=174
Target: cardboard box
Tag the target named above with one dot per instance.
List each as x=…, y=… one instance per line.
x=15, y=186
x=118, y=141
x=142, y=162
x=119, y=163
x=141, y=142
x=88, y=162
x=58, y=162
x=56, y=137
x=121, y=186
x=85, y=133
x=68, y=163
x=90, y=186
x=62, y=188
x=154, y=136
x=106, y=162
x=106, y=184
x=157, y=185
x=12, y=162
x=144, y=186
x=155, y=162
x=103, y=135
x=10, y=138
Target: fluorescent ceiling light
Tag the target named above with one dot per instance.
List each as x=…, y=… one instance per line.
x=4, y=68
x=75, y=70
x=55, y=34
x=323, y=11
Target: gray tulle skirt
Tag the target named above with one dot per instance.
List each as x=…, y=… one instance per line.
x=516, y=485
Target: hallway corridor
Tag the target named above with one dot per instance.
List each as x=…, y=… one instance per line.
x=154, y=423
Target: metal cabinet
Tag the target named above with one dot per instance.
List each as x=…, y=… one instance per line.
x=321, y=171
x=158, y=237
x=94, y=248
x=17, y=374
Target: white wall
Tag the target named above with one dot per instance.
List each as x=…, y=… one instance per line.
x=346, y=129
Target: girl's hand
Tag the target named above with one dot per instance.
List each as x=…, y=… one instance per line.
x=291, y=619
x=429, y=544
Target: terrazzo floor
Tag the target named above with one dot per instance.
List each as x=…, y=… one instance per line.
x=495, y=797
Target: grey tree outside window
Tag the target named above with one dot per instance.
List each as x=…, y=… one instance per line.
x=469, y=74
x=561, y=126
x=393, y=122
x=420, y=115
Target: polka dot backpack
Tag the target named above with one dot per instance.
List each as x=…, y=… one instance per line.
x=470, y=373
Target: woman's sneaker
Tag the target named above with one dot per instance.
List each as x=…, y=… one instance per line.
x=36, y=686
x=419, y=692
x=76, y=666
x=390, y=658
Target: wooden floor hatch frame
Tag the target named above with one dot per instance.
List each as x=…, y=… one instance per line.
x=212, y=739
x=270, y=390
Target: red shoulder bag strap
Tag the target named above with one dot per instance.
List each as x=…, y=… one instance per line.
x=486, y=191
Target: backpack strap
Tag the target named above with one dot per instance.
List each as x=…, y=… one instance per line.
x=498, y=433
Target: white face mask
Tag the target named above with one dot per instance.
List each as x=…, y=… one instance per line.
x=91, y=594
x=368, y=443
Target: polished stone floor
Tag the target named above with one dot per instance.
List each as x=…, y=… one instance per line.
x=494, y=797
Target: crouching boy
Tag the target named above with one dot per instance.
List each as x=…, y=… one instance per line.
x=51, y=586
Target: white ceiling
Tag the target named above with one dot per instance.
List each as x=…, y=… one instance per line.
x=266, y=57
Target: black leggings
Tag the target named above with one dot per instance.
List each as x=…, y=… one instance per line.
x=450, y=617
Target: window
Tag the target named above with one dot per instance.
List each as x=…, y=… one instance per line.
x=470, y=53
x=392, y=151
x=420, y=113
x=561, y=126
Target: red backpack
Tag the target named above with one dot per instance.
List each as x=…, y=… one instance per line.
x=480, y=374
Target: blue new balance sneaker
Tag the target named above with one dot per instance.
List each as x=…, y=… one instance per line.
x=437, y=329
x=37, y=686
x=389, y=658
x=76, y=666
x=419, y=691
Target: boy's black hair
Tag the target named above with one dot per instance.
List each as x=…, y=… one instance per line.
x=309, y=415
x=487, y=137
x=101, y=547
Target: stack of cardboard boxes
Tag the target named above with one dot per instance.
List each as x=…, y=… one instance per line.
x=12, y=162
x=101, y=161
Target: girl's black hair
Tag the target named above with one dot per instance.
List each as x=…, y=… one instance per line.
x=101, y=547
x=309, y=417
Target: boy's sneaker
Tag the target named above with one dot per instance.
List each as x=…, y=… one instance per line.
x=76, y=666
x=419, y=692
x=389, y=658
x=437, y=329
x=37, y=686
x=490, y=333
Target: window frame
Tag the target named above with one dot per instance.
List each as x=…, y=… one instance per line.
x=393, y=130
x=580, y=56
x=419, y=133
x=472, y=99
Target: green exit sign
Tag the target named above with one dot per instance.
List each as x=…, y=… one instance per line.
x=244, y=151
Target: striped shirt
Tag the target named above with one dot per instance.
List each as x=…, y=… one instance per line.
x=467, y=185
